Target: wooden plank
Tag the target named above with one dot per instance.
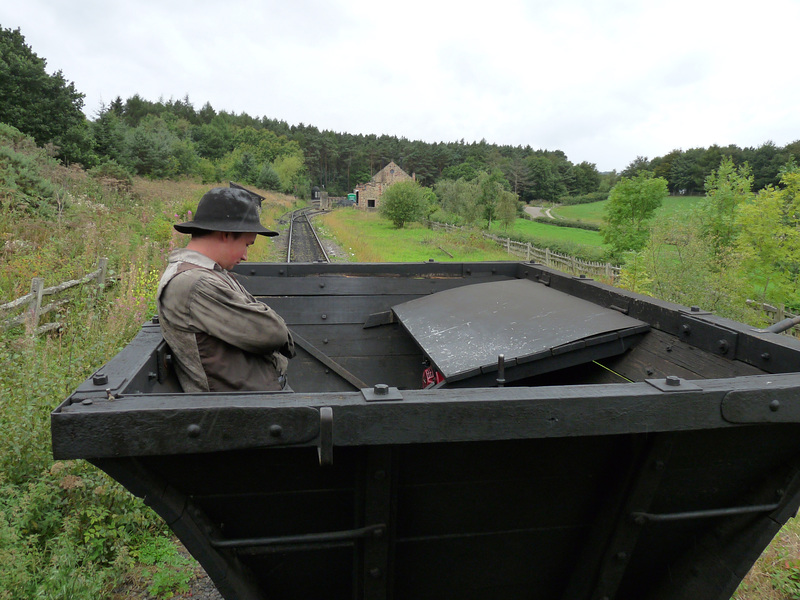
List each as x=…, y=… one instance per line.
x=336, y=285
x=659, y=354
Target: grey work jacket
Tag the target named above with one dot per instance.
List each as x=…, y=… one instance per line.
x=222, y=339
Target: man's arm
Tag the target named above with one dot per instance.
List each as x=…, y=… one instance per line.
x=241, y=321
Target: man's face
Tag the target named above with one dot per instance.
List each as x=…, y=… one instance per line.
x=235, y=249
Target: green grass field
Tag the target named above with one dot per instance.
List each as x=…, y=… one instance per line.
x=554, y=233
x=594, y=211
x=367, y=237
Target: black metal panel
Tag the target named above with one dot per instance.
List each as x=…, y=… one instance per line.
x=464, y=330
x=503, y=493
x=337, y=285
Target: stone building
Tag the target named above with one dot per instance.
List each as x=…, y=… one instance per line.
x=368, y=195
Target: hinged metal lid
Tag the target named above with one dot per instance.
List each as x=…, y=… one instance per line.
x=463, y=330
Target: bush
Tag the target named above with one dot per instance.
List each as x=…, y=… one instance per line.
x=23, y=184
x=584, y=199
x=568, y=223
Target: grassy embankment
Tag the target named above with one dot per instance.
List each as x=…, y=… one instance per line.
x=66, y=530
x=593, y=212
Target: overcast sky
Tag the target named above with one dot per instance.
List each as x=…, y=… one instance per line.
x=603, y=80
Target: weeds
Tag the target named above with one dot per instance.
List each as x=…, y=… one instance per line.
x=67, y=531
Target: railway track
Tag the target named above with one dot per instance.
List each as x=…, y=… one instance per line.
x=304, y=244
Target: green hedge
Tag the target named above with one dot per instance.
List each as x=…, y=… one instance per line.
x=567, y=223
x=585, y=199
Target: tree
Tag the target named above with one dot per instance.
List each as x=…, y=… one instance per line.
x=726, y=189
x=403, y=202
x=636, y=166
x=459, y=198
x=768, y=238
x=544, y=181
x=507, y=208
x=268, y=179
x=43, y=106
x=492, y=187
x=631, y=205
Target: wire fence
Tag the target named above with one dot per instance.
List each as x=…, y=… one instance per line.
x=31, y=303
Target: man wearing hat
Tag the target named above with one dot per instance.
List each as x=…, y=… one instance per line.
x=222, y=339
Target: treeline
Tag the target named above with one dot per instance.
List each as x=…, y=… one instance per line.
x=687, y=170
x=171, y=139
x=210, y=143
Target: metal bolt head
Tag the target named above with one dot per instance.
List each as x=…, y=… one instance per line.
x=99, y=378
x=381, y=389
x=672, y=380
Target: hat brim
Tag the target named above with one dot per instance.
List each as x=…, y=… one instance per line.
x=191, y=227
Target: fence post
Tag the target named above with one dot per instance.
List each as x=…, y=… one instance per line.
x=528, y=256
x=37, y=285
x=103, y=265
x=547, y=256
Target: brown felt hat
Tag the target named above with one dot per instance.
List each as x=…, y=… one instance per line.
x=227, y=209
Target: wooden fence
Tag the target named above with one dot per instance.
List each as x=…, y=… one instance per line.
x=775, y=314
x=545, y=256
x=606, y=271
x=32, y=302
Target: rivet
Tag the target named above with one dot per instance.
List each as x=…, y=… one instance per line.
x=322, y=285
x=375, y=573
x=774, y=405
x=325, y=341
x=324, y=317
x=687, y=329
x=723, y=346
x=650, y=371
x=766, y=356
x=87, y=402
x=193, y=430
x=275, y=431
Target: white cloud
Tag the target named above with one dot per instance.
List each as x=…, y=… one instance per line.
x=604, y=81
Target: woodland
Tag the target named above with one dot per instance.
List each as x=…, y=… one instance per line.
x=172, y=139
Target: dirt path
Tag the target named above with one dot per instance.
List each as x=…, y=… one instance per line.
x=538, y=211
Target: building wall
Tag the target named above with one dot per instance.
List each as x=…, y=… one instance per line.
x=369, y=194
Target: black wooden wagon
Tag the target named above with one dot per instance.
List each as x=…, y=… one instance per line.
x=468, y=431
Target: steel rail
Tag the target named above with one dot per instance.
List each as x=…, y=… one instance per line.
x=316, y=237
